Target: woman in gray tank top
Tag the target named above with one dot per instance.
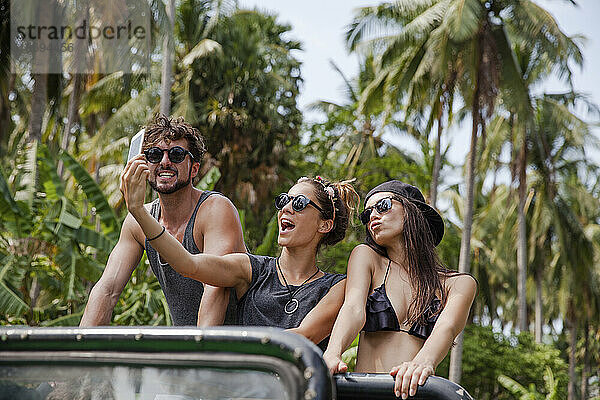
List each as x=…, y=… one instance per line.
x=289, y=291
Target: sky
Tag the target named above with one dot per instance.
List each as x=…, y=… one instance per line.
x=320, y=27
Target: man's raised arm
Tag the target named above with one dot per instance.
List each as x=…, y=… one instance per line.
x=123, y=259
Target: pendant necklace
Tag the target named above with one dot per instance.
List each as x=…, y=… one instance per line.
x=292, y=305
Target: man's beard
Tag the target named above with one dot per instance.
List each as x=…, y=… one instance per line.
x=178, y=185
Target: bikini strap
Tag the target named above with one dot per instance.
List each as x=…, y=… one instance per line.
x=386, y=271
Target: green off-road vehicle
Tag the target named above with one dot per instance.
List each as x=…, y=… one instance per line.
x=169, y=363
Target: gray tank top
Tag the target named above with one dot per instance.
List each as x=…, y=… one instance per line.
x=264, y=302
x=183, y=294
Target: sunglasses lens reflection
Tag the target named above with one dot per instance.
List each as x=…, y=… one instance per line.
x=154, y=155
x=300, y=202
x=176, y=154
x=382, y=206
x=281, y=201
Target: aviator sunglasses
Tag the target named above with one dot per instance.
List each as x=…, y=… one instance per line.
x=176, y=154
x=299, y=202
x=382, y=206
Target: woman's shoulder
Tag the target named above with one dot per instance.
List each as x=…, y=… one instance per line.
x=461, y=281
x=260, y=263
x=261, y=259
x=363, y=257
x=364, y=251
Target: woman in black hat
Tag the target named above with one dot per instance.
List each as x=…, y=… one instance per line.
x=406, y=305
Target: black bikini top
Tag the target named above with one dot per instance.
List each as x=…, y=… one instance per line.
x=381, y=315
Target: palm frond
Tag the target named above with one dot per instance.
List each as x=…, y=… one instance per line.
x=463, y=19
x=93, y=193
x=10, y=302
x=65, y=320
x=204, y=48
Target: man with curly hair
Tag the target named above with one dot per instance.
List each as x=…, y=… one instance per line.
x=203, y=221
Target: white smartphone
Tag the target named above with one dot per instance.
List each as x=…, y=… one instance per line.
x=135, y=147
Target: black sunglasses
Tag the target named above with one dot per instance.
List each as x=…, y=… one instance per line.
x=299, y=202
x=176, y=154
x=382, y=206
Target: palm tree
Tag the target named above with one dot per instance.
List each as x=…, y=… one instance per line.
x=473, y=36
x=167, y=60
x=557, y=155
x=243, y=100
x=196, y=20
x=537, y=60
x=398, y=79
x=6, y=78
x=351, y=131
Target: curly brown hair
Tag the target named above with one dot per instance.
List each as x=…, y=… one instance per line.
x=163, y=128
x=344, y=199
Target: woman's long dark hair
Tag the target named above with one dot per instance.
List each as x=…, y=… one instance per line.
x=424, y=266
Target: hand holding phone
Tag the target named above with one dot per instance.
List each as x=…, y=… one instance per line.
x=135, y=147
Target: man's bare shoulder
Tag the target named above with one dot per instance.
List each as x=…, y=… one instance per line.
x=131, y=228
x=218, y=224
x=217, y=206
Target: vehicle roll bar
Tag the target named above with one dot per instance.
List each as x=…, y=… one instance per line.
x=355, y=386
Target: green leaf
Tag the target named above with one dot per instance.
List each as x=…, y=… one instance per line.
x=92, y=192
x=210, y=179
x=66, y=218
x=89, y=269
x=97, y=240
x=463, y=17
x=65, y=320
x=7, y=202
x=204, y=48
x=268, y=244
x=29, y=179
x=10, y=302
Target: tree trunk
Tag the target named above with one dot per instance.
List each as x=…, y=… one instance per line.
x=538, y=305
x=72, y=116
x=437, y=159
x=585, y=371
x=5, y=121
x=40, y=66
x=464, y=262
x=77, y=67
x=167, y=62
x=522, y=244
x=572, y=356
x=38, y=106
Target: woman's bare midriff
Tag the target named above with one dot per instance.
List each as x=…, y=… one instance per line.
x=378, y=352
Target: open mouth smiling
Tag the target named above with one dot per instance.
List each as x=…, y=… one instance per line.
x=165, y=174
x=286, y=225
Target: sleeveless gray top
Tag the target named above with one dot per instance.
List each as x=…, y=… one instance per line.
x=264, y=302
x=183, y=294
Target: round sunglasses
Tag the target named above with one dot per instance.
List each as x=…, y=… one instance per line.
x=176, y=154
x=382, y=206
x=299, y=202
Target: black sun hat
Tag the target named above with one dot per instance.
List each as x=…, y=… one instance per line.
x=414, y=195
